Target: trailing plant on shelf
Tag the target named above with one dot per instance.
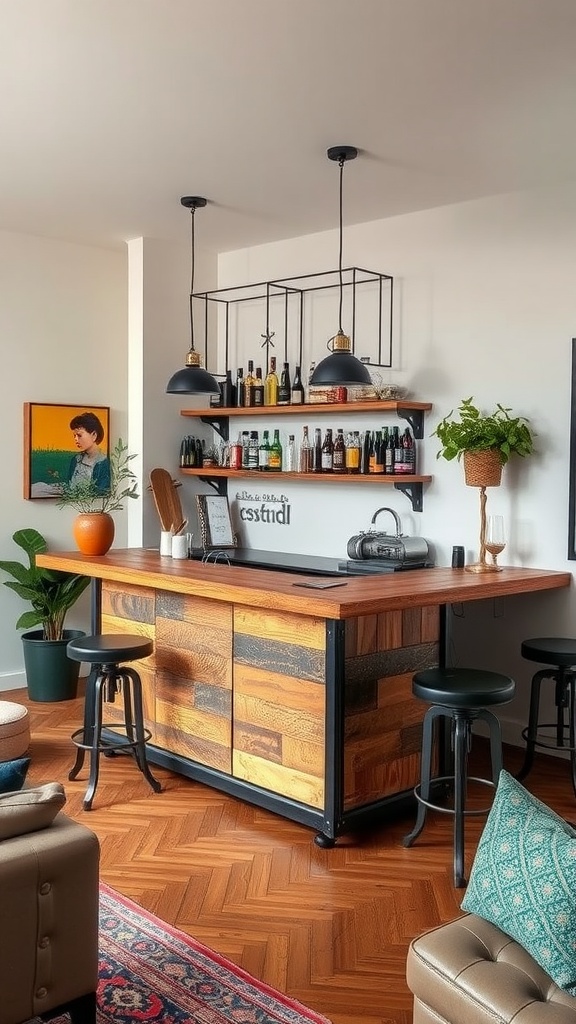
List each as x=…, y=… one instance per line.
x=86, y=497
x=474, y=432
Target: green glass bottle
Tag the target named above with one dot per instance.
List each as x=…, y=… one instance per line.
x=275, y=460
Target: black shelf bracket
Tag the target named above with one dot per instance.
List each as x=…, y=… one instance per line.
x=218, y=423
x=413, y=492
x=415, y=418
x=219, y=483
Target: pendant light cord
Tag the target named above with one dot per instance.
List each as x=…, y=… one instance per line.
x=192, y=211
x=340, y=331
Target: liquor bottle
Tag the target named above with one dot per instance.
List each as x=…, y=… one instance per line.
x=339, y=453
x=271, y=384
x=310, y=374
x=275, y=460
x=408, y=452
x=228, y=391
x=372, y=453
x=389, y=455
x=327, y=452
x=398, y=452
x=264, y=452
x=378, y=453
x=249, y=382
x=258, y=387
x=240, y=387
x=253, y=453
x=305, y=463
x=365, y=456
x=317, y=452
x=245, y=441
x=353, y=452
x=291, y=455
x=297, y=394
x=236, y=453
x=284, y=391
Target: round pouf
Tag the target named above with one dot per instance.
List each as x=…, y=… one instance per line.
x=14, y=730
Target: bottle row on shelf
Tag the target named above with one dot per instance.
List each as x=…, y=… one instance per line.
x=386, y=451
x=254, y=389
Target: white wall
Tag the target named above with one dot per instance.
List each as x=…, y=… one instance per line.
x=484, y=306
x=63, y=338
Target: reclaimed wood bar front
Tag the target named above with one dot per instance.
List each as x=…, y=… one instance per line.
x=298, y=700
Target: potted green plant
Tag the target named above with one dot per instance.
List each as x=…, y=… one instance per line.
x=93, y=527
x=50, y=674
x=485, y=441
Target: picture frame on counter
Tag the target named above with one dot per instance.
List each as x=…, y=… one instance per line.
x=51, y=451
x=214, y=521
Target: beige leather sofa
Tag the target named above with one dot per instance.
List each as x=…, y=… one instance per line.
x=469, y=972
x=48, y=909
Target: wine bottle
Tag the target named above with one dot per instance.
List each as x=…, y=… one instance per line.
x=408, y=452
x=339, y=453
x=284, y=391
x=258, y=387
x=389, y=455
x=317, y=453
x=327, y=452
x=398, y=452
x=365, y=456
x=378, y=453
x=297, y=394
x=245, y=441
x=264, y=452
x=291, y=455
x=275, y=460
x=305, y=463
x=352, y=452
x=271, y=384
x=253, y=454
x=249, y=382
x=240, y=387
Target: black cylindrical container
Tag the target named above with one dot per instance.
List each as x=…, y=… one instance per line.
x=457, y=557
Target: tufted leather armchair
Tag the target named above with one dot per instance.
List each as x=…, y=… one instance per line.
x=468, y=970
x=49, y=918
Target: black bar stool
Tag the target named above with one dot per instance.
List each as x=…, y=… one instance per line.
x=559, y=653
x=459, y=695
x=108, y=677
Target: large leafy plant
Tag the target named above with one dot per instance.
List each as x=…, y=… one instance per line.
x=85, y=496
x=50, y=592
x=474, y=432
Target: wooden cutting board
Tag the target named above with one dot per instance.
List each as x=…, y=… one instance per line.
x=166, y=498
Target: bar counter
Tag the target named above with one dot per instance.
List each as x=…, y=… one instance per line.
x=290, y=697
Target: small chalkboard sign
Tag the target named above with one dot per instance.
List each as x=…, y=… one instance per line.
x=215, y=522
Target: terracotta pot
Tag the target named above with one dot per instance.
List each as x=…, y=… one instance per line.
x=93, y=532
x=483, y=469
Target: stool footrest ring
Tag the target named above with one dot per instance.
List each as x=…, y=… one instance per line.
x=122, y=743
x=543, y=742
x=450, y=810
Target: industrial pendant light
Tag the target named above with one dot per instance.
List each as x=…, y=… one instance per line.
x=192, y=379
x=341, y=367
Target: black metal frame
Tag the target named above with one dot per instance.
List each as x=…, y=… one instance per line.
x=572, y=463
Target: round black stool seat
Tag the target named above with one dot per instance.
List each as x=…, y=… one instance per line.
x=109, y=678
x=110, y=648
x=458, y=697
x=462, y=687
x=550, y=650
x=559, y=654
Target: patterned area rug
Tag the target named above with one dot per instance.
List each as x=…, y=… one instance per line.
x=151, y=973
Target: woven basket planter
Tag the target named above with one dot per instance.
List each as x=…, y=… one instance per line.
x=483, y=469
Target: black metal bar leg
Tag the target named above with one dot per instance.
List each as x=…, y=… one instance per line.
x=88, y=723
x=100, y=683
x=532, y=732
x=461, y=738
x=425, y=772
x=572, y=728
x=495, y=733
x=140, y=748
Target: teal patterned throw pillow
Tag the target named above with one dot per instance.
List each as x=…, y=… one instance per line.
x=523, y=879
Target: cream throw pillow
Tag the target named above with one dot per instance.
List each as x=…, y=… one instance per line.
x=29, y=810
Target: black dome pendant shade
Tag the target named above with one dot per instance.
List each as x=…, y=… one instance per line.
x=341, y=366
x=192, y=379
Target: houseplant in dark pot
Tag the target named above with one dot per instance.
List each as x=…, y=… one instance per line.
x=485, y=443
x=50, y=674
x=93, y=527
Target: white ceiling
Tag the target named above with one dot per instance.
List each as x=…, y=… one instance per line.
x=110, y=110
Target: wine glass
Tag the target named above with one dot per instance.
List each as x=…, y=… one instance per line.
x=495, y=541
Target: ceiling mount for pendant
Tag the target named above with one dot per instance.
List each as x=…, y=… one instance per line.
x=192, y=379
x=342, y=366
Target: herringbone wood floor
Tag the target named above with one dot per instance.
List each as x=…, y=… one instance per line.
x=329, y=927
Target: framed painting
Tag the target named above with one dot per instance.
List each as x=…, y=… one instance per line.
x=572, y=474
x=64, y=443
x=214, y=520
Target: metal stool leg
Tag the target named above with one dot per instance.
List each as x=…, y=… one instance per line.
x=425, y=771
x=140, y=747
x=461, y=742
x=88, y=723
x=572, y=727
x=495, y=734
x=100, y=683
x=532, y=731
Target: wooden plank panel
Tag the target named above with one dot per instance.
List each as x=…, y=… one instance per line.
x=389, y=630
x=289, y=659
x=287, y=782
x=278, y=689
x=304, y=755
x=367, y=642
x=200, y=611
x=391, y=663
x=188, y=720
x=117, y=626
x=264, y=743
x=194, y=748
x=128, y=602
x=205, y=654
x=430, y=624
x=286, y=720
x=208, y=697
x=300, y=630
x=412, y=626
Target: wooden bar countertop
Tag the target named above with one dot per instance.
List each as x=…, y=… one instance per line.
x=346, y=598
